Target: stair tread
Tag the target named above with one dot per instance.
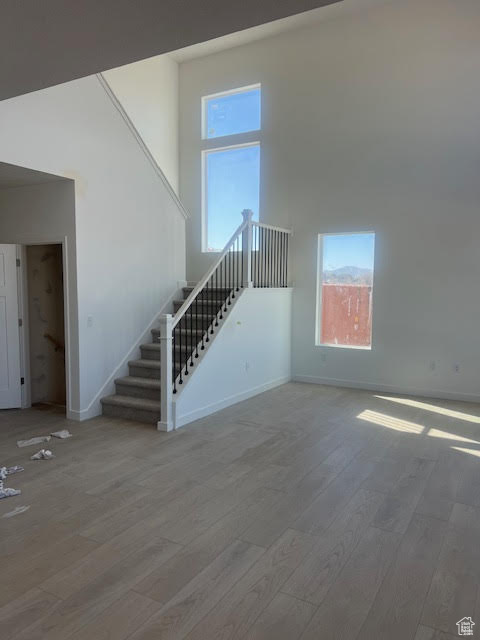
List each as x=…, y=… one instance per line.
x=204, y=301
x=131, y=402
x=136, y=381
x=148, y=364
x=152, y=346
x=203, y=315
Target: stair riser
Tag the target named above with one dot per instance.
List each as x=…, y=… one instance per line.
x=150, y=354
x=143, y=372
x=154, y=356
x=211, y=294
x=206, y=308
x=127, y=413
x=137, y=392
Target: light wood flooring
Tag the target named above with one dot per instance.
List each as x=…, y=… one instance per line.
x=306, y=512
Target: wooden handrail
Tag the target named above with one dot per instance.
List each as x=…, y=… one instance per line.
x=200, y=285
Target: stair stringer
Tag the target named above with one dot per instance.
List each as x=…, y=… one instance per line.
x=250, y=353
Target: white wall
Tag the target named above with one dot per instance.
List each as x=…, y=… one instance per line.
x=129, y=232
x=148, y=91
x=250, y=354
x=45, y=213
x=369, y=122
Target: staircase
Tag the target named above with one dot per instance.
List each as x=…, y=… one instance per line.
x=256, y=256
x=137, y=395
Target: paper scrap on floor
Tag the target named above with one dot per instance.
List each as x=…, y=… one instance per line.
x=10, y=470
x=6, y=492
x=43, y=454
x=64, y=433
x=38, y=440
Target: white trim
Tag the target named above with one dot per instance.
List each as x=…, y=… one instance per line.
x=319, y=301
x=199, y=286
x=229, y=92
x=181, y=421
x=62, y=240
x=95, y=407
x=142, y=145
x=373, y=386
x=24, y=329
x=269, y=226
x=204, y=178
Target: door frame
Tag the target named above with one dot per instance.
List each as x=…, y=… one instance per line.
x=23, y=309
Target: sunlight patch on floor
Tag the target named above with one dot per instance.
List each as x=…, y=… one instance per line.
x=437, y=433
x=390, y=422
x=433, y=408
x=472, y=452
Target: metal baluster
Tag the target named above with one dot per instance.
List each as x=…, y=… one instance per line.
x=202, y=318
x=184, y=320
x=234, y=259
x=179, y=325
x=285, y=261
x=241, y=260
x=254, y=257
x=196, y=326
x=270, y=251
x=225, y=279
x=214, y=293
x=207, y=307
x=174, y=362
x=277, y=259
x=229, y=256
x=190, y=348
x=216, y=289
x=220, y=266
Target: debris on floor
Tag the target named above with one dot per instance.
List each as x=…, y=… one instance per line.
x=43, y=454
x=38, y=440
x=17, y=511
x=5, y=492
x=16, y=469
x=64, y=433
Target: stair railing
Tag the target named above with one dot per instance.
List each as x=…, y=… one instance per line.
x=255, y=256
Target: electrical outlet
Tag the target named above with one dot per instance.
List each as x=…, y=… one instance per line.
x=456, y=368
x=433, y=365
x=247, y=366
x=89, y=321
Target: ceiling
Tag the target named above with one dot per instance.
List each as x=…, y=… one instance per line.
x=246, y=36
x=12, y=175
x=47, y=42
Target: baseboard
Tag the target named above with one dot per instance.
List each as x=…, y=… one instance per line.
x=74, y=415
x=181, y=421
x=372, y=386
x=95, y=408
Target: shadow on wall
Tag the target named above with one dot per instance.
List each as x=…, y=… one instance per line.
x=46, y=323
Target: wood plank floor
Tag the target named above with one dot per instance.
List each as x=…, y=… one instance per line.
x=306, y=512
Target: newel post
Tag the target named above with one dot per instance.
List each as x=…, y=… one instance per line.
x=166, y=411
x=247, y=248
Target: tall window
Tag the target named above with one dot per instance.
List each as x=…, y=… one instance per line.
x=345, y=287
x=230, y=162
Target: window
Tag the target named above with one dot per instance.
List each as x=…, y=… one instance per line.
x=232, y=112
x=230, y=172
x=345, y=286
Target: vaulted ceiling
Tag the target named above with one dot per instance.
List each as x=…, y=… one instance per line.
x=47, y=42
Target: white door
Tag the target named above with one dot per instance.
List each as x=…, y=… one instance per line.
x=10, y=390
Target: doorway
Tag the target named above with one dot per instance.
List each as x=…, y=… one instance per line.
x=46, y=325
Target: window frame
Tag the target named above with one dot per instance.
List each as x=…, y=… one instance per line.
x=222, y=94
x=319, y=301
x=205, y=153
x=228, y=142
